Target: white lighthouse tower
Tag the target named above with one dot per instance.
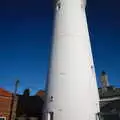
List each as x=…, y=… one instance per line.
x=72, y=92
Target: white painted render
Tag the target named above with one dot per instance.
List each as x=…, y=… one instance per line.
x=72, y=92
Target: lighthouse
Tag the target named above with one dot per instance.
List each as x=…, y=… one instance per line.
x=71, y=90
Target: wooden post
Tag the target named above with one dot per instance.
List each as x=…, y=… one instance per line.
x=14, y=102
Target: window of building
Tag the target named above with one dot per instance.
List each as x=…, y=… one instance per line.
x=2, y=118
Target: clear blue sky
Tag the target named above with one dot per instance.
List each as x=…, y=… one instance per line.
x=25, y=39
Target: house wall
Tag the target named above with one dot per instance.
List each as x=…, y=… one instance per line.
x=5, y=104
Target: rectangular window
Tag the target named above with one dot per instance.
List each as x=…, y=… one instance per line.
x=98, y=116
x=50, y=116
x=2, y=118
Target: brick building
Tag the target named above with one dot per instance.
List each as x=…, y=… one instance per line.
x=28, y=106
x=5, y=103
x=41, y=93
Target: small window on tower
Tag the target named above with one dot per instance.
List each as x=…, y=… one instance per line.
x=50, y=116
x=51, y=98
x=58, y=4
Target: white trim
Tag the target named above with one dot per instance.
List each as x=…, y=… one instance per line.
x=109, y=99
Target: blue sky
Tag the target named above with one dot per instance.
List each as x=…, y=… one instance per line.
x=25, y=39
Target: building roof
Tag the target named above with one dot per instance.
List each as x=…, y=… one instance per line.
x=109, y=92
x=40, y=93
x=5, y=93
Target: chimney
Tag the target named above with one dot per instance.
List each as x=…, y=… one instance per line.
x=104, y=79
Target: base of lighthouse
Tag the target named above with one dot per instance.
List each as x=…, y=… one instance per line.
x=72, y=92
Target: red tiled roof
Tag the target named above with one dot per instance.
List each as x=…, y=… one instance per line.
x=5, y=93
x=40, y=93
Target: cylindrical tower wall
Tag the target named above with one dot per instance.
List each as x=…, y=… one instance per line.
x=71, y=90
